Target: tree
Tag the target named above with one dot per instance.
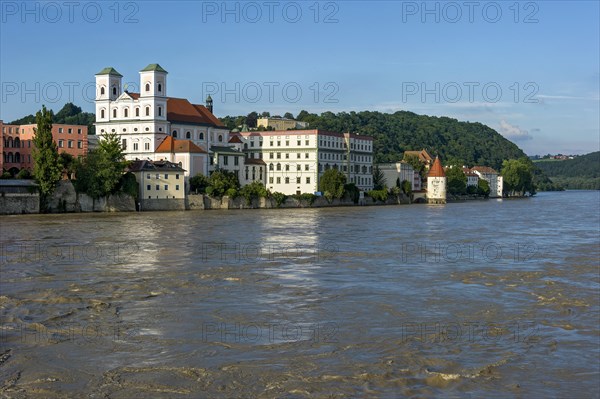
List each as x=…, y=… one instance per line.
x=483, y=188
x=406, y=187
x=223, y=182
x=379, y=181
x=332, y=184
x=415, y=162
x=288, y=115
x=47, y=168
x=68, y=162
x=456, y=180
x=518, y=177
x=199, y=183
x=251, y=119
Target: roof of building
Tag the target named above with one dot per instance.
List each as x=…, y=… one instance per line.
x=171, y=145
x=135, y=96
x=484, y=169
x=235, y=140
x=436, y=169
x=109, y=71
x=225, y=150
x=154, y=67
x=423, y=155
x=17, y=183
x=254, y=161
x=181, y=110
x=163, y=166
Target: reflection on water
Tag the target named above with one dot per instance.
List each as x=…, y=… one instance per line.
x=490, y=299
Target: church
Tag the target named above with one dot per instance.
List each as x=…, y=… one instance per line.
x=153, y=126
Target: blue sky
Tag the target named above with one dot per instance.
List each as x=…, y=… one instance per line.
x=530, y=70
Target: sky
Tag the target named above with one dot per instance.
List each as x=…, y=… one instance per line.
x=528, y=69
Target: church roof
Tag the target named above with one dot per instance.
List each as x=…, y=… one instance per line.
x=436, y=170
x=171, y=145
x=181, y=110
x=154, y=67
x=109, y=71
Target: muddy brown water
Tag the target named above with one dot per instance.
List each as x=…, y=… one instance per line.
x=495, y=298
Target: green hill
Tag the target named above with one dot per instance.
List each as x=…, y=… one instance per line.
x=70, y=114
x=580, y=173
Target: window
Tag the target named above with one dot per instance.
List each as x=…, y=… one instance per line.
x=166, y=186
x=298, y=167
x=157, y=176
x=298, y=155
x=147, y=111
x=287, y=166
x=159, y=111
x=177, y=187
x=61, y=143
x=146, y=146
x=278, y=155
x=166, y=176
x=114, y=91
x=78, y=131
x=201, y=136
x=306, y=142
x=236, y=160
x=278, y=166
x=60, y=129
x=278, y=143
x=287, y=180
x=270, y=166
x=279, y=180
x=157, y=187
x=79, y=144
x=308, y=180
x=148, y=187
x=135, y=148
x=114, y=113
x=147, y=86
x=225, y=160
x=252, y=144
x=287, y=143
x=299, y=143
x=126, y=112
x=271, y=155
x=174, y=134
x=137, y=112
x=287, y=155
x=188, y=135
x=306, y=155
x=159, y=88
x=101, y=114
x=69, y=130
x=270, y=180
x=102, y=91
x=307, y=167
x=298, y=180
x=177, y=176
x=220, y=138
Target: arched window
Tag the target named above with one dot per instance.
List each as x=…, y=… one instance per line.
x=174, y=134
x=137, y=112
x=17, y=157
x=147, y=86
x=17, y=143
x=126, y=112
x=201, y=136
x=278, y=166
x=220, y=138
x=188, y=135
x=102, y=91
x=270, y=166
x=160, y=88
x=147, y=111
x=114, y=113
x=114, y=91
x=245, y=146
x=159, y=111
x=10, y=157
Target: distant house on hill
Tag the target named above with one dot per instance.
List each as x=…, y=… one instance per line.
x=422, y=155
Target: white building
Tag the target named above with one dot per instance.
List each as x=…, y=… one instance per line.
x=436, y=183
x=143, y=121
x=295, y=159
x=398, y=172
x=161, y=185
x=472, y=177
x=493, y=178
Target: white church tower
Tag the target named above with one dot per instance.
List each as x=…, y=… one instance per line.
x=436, y=183
x=108, y=88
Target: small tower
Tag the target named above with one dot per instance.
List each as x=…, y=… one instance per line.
x=209, y=104
x=436, y=183
x=153, y=81
x=108, y=88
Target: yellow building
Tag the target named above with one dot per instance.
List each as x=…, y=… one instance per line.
x=281, y=123
x=161, y=185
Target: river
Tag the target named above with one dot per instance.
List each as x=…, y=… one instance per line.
x=488, y=299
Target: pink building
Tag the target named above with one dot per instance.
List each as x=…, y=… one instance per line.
x=16, y=144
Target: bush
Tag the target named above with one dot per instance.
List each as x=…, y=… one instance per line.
x=279, y=198
x=6, y=175
x=352, y=191
x=253, y=190
x=199, y=183
x=406, y=187
x=128, y=184
x=24, y=174
x=378, y=195
x=332, y=184
x=222, y=183
x=309, y=198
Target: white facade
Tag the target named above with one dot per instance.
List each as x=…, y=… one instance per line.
x=494, y=180
x=398, y=172
x=295, y=159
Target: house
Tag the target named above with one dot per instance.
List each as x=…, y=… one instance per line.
x=397, y=173
x=161, y=185
x=277, y=123
x=493, y=178
x=472, y=177
x=423, y=156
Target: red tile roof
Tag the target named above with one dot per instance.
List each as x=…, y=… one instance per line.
x=436, y=170
x=135, y=96
x=254, y=161
x=235, y=140
x=484, y=169
x=171, y=145
x=181, y=110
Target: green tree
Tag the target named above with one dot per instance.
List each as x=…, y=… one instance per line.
x=406, y=187
x=47, y=168
x=379, y=181
x=518, y=177
x=222, y=182
x=68, y=162
x=288, y=115
x=252, y=191
x=456, y=180
x=23, y=174
x=199, y=183
x=483, y=188
x=332, y=184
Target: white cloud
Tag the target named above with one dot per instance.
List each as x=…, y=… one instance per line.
x=513, y=132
